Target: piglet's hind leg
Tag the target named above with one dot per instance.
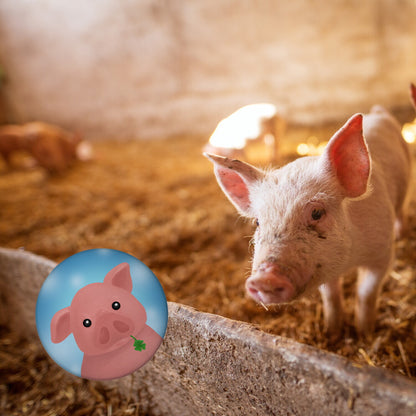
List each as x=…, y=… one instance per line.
x=368, y=290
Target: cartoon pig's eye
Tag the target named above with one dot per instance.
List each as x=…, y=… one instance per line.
x=116, y=305
x=317, y=213
x=256, y=221
x=87, y=323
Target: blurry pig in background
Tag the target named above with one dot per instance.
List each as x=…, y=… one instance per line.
x=53, y=148
x=320, y=217
x=254, y=122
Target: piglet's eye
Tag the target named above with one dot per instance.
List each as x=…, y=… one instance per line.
x=317, y=213
x=257, y=222
x=116, y=305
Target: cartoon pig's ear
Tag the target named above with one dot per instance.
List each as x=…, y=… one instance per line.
x=235, y=178
x=60, y=325
x=119, y=276
x=347, y=155
x=413, y=94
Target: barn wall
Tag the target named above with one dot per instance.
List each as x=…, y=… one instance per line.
x=152, y=68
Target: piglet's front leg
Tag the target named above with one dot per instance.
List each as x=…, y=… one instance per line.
x=333, y=304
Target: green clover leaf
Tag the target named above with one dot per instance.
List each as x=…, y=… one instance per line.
x=139, y=344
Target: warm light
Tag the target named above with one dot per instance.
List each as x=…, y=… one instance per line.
x=242, y=125
x=409, y=132
x=321, y=147
x=409, y=136
x=302, y=149
x=312, y=147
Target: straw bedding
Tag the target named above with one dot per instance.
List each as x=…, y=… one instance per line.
x=159, y=201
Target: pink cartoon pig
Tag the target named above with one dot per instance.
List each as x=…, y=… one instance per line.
x=109, y=327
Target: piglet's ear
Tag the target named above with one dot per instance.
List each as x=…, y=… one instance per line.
x=347, y=155
x=120, y=277
x=413, y=94
x=60, y=325
x=235, y=178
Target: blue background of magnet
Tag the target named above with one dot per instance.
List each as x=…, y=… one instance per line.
x=80, y=270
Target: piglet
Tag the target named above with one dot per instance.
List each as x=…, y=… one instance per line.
x=253, y=122
x=320, y=217
x=53, y=148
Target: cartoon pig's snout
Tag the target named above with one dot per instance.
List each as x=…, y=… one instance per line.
x=110, y=329
x=268, y=285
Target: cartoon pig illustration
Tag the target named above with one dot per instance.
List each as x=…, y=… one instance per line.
x=108, y=322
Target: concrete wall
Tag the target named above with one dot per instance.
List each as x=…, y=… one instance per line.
x=152, y=68
x=209, y=365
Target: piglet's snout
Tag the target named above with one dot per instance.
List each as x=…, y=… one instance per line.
x=268, y=285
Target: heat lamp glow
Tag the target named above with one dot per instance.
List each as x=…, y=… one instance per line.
x=254, y=123
x=244, y=124
x=409, y=131
x=312, y=147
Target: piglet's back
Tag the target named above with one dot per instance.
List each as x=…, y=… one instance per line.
x=389, y=153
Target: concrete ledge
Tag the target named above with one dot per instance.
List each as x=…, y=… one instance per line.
x=212, y=365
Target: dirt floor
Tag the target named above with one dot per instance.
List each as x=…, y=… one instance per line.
x=159, y=201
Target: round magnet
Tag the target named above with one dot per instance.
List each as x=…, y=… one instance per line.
x=101, y=314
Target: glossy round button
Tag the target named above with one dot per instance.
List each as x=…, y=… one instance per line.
x=101, y=314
